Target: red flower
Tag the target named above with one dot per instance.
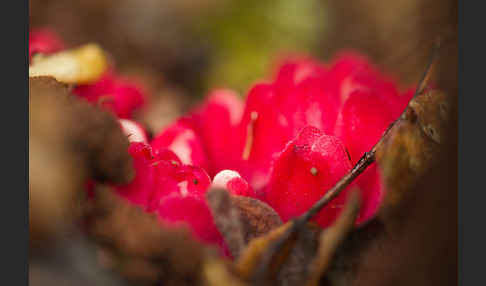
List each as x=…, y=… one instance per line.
x=162, y=175
x=43, y=41
x=291, y=141
x=275, y=113
x=120, y=95
x=351, y=100
x=115, y=93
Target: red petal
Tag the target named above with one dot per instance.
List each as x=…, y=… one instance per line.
x=192, y=180
x=298, y=98
x=362, y=121
x=114, y=93
x=44, y=41
x=171, y=177
x=181, y=138
x=266, y=131
x=140, y=189
x=308, y=166
x=234, y=183
x=293, y=71
x=350, y=72
x=369, y=182
x=217, y=122
x=176, y=210
x=311, y=103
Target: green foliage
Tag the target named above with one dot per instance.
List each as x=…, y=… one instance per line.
x=248, y=36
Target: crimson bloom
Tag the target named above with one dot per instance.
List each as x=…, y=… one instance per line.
x=291, y=140
x=287, y=144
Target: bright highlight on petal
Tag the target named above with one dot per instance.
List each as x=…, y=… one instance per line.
x=232, y=181
x=133, y=131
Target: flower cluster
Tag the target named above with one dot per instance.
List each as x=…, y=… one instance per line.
x=291, y=140
x=113, y=92
x=289, y=143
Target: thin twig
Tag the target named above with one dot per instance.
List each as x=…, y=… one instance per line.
x=367, y=159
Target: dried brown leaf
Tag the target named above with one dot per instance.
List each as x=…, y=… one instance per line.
x=432, y=110
x=289, y=266
x=257, y=217
x=91, y=134
x=55, y=175
x=227, y=219
x=332, y=237
x=412, y=146
x=240, y=219
x=70, y=141
x=218, y=273
x=135, y=244
x=248, y=262
x=295, y=269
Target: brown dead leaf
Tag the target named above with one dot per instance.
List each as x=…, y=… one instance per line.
x=295, y=268
x=70, y=141
x=432, y=110
x=247, y=263
x=218, y=273
x=289, y=266
x=136, y=245
x=409, y=150
x=332, y=237
x=240, y=219
x=227, y=219
x=55, y=174
x=257, y=217
x=91, y=134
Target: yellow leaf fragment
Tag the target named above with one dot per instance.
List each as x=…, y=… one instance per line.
x=216, y=273
x=82, y=65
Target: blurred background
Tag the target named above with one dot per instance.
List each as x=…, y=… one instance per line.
x=190, y=46
x=194, y=44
